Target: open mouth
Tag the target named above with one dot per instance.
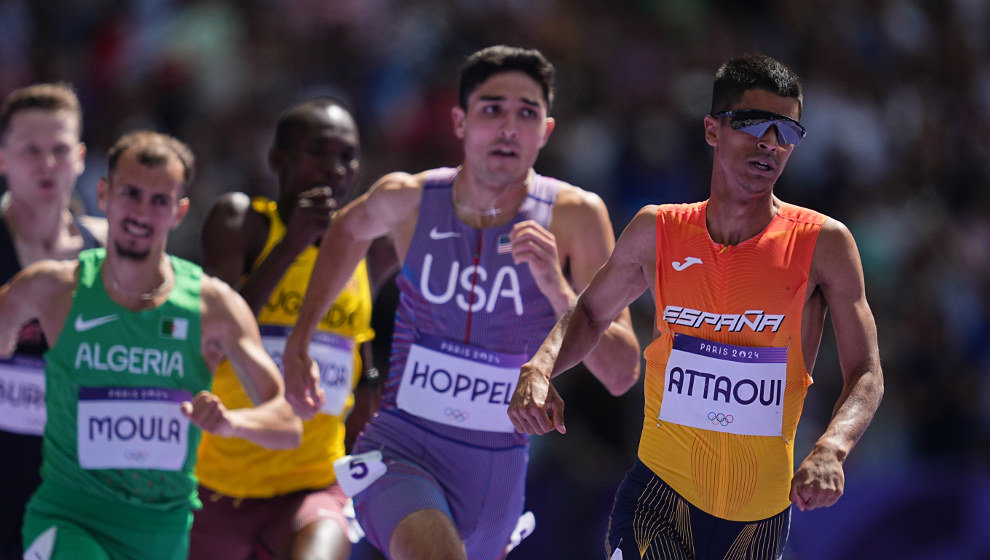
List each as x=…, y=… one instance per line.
x=135, y=229
x=322, y=195
x=504, y=151
x=762, y=166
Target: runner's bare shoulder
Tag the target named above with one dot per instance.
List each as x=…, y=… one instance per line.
x=48, y=277
x=394, y=199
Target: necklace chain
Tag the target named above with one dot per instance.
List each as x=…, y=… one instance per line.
x=143, y=296
x=491, y=211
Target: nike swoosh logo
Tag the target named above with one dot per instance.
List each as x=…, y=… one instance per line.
x=434, y=234
x=85, y=325
x=679, y=266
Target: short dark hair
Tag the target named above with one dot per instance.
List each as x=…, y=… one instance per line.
x=501, y=58
x=49, y=97
x=299, y=117
x=754, y=71
x=153, y=150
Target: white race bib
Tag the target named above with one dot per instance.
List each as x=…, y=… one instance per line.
x=459, y=384
x=43, y=546
x=725, y=388
x=524, y=528
x=357, y=472
x=132, y=428
x=334, y=356
x=22, y=395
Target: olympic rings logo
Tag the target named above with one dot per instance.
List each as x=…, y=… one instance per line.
x=719, y=419
x=456, y=414
x=137, y=456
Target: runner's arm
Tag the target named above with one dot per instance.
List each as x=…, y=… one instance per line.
x=230, y=330
x=617, y=284
x=232, y=238
x=41, y=291
x=615, y=358
x=374, y=214
x=819, y=481
x=16, y=309
x=367, y=395
x=579, y=242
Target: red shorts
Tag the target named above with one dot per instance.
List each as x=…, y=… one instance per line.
x=229, y=527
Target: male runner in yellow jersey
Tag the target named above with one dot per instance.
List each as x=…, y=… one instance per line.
x=135, y=335
x=259, y=502
x=742, y=283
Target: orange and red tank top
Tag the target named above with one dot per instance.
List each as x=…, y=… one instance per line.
x=726, y=378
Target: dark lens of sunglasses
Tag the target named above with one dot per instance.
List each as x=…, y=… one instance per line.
x=787, y=131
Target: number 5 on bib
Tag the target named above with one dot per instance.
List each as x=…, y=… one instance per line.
x=357, y=472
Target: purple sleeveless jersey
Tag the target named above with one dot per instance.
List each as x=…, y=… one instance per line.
x=460, y=296
x=459, y=284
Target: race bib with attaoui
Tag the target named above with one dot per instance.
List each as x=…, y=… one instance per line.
x=334, y=356
x=725, y=388
x=458, y=384
x=357, y=472
x=132, y=428
x=22, y=395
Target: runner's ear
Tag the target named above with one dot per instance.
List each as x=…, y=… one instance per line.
x=183, y=205
x=458, y=116
x=551, y=122
x=102, y=193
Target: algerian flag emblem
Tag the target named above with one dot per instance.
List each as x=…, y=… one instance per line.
x=173, y=327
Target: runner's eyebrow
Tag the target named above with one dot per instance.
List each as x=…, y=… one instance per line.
x=525, y=100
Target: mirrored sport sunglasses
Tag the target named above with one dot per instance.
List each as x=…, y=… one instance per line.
x=756, y=122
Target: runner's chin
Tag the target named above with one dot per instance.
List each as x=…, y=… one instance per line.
x=131, y=254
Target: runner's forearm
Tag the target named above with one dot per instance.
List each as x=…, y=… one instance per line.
x=258, y=286
x=339, y=256
x=608, y=349
x=271, y=425
x=615, y=360
x=853, y=413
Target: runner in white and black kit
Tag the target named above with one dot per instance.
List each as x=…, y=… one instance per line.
x=41, y=157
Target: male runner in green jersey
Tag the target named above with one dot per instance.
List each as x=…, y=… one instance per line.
x=135, y=335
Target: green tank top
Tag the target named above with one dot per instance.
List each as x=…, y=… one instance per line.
x=116, y=378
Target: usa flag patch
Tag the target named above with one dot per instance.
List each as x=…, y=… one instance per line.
x=503, y=245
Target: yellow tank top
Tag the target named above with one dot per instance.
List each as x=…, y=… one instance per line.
x=726, y=379
x=239, y=468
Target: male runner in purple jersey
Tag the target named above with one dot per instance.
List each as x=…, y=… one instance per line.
x=493, y=254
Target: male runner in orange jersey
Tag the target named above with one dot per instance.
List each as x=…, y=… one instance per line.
x=741, y=283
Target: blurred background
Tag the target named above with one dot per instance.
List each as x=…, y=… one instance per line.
x=897, y=105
